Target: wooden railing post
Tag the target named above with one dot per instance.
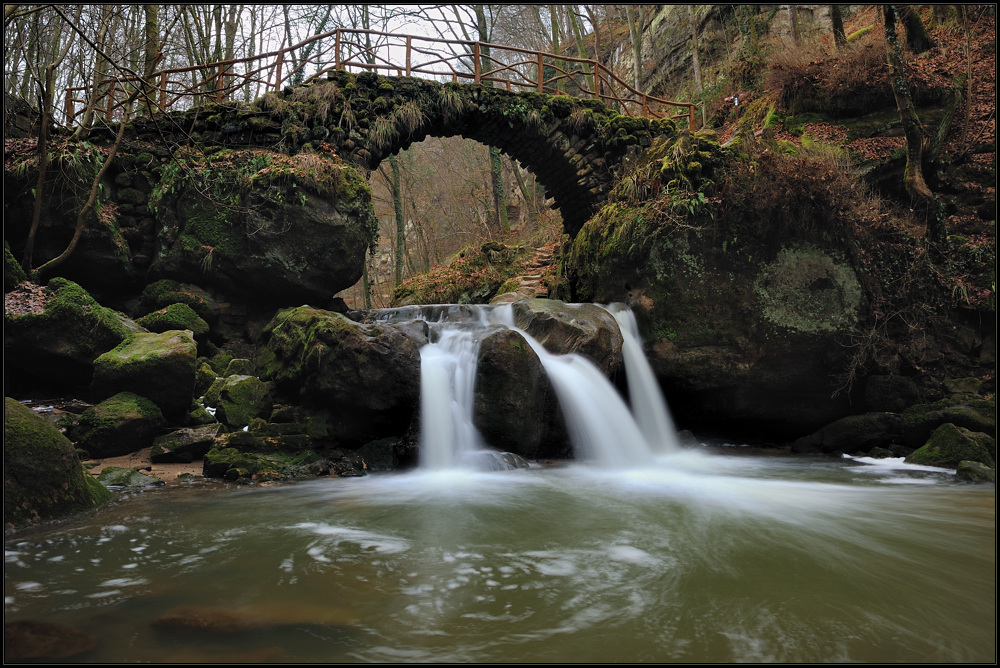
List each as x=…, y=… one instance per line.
x=163, y=91
x=109, y=109
x=336, y=49
x=541, y=73
x=277, y=71
x=409, y=42
x=475, y=55
x=220, y=84
x=69, y=106
x=692, y=125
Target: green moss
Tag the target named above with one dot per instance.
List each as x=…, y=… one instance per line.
x=101, y=421
x=949, y=445
x=175, y=316
x=43, y=477
x=13, y=274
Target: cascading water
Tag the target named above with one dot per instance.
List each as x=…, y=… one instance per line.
x=648, y=405
x=448, y=436
x=602, y=428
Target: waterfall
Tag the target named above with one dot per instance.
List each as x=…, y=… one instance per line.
x=600, y=424
x=447, y=392
x=648, y=405
x=602, y=427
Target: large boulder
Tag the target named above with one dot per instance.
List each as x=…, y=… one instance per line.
x=42, y=474
x=970, y=411
x=854, y=433
x=366, y=375
x=52, y=341
x=515, y=408
x=563, y=328
x=949, y=445
x=239, y=399
x=119, y=425
x=184, y=445
x=159, y=366
x=282, y=230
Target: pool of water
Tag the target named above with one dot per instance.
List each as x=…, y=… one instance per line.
x=697, y=558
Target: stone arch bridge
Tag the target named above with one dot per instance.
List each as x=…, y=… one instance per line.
x=573, y=146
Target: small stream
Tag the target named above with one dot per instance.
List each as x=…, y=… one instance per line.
x=639, y=551
x=696, y=557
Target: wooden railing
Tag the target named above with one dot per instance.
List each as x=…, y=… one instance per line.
x=509, y=67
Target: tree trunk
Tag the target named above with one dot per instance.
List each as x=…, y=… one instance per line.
x=634, y=19
x=793, y=28
x=837, y=18
x=917, y=39
x=397, y=205
x=499, y=198
x=913, y=175
x=151, y=49
x=695, y=59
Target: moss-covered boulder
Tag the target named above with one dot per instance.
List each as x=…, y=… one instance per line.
x=243, y=459
x=975, y=472
x=279, y=229
x=117, y=476
x=854, y=433
x=175, y=316
x=366, y=375
x=949, y=445
x=184, y=445
x=515, y=408
x=563, y=328
x=53, y=347
x=963, y=410
x=238, y=399
x=163, y=293
x=42, y=474
x=121, y=424
x=160, y=366
x=13, y=274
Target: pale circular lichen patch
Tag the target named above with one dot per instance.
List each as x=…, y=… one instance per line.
x=806, y=290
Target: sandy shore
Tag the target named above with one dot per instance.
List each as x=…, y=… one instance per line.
x=166, y=472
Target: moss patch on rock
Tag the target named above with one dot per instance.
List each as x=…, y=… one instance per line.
x=43, y=477
x=949, y=445
x=124, y=423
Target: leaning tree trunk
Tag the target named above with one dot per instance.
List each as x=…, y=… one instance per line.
x=913, y=176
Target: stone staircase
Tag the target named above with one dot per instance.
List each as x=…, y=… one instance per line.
x=531, y=283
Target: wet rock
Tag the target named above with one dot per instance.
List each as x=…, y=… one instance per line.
x=43, y=476
x=160, y=366
x=25, y=640
x=184, y=445
x=514, y=401
x=117, y=476
x=563, y=328
x=119, y=425
x=366, y=375
x=854, y=433
x=230, y=620
x=975, y=472
x=949, y=445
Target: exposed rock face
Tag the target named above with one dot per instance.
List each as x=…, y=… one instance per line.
x=515, y=407
x=160, y=367
x=366, y=375
x=42, y=474
x=280, y=241
x=185, y=445
x=563, y=328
